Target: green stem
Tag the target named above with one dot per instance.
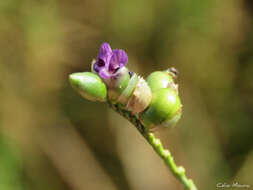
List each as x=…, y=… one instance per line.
x=177, y=171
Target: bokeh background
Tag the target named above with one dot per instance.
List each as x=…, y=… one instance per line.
x=52, y=139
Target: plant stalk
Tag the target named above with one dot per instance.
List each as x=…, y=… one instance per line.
x=165, y=155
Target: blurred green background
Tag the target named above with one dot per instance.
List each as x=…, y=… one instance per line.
x=52, y=139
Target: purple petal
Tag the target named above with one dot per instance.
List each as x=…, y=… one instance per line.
x=103, y=57
x=104, y=73
x=104, y=54
x=119, y=59
x=105, y=49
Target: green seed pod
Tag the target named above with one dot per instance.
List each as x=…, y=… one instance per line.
x=89, y=85
x=159, y=79
x=162, y=79
x=164, y=109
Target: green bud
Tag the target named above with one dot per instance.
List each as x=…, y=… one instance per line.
x=163, y=79
x=164, y=109
x=159, y=79
x=89, y=85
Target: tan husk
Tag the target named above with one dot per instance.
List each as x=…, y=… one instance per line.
x=141, y=97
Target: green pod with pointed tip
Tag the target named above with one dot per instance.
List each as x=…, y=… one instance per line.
x=89, y=85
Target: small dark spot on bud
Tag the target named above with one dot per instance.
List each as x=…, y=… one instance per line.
x=130, y=73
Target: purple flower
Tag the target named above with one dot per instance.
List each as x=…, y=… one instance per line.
x=109, y=61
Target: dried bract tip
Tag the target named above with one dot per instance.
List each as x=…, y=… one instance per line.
x=173, y=71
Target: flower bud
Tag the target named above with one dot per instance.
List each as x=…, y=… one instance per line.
x=159, y=79
x=89, y=85
x=110, y=66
